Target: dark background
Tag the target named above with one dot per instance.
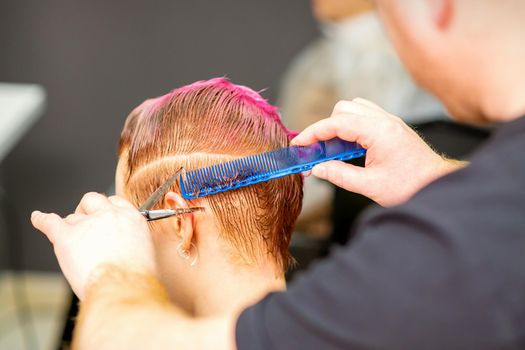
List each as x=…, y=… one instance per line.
x=97, y=60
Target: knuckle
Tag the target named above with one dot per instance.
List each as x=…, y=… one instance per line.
x=89, y=196
x=342, y=106
x=106, y=214
x=397, y=120
x=339, y=121
x=394, y=126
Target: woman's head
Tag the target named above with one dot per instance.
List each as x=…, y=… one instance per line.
x=205, y=123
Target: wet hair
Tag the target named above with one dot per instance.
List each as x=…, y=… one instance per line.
x=205, y=123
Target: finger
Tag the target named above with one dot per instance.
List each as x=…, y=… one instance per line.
x=324, y=129
x=306, y=173
x=49, y=224
x=367, y=103
x=121, y=202
x=354, y=107
x=73, y=219
x=351, y=178
x=92, y=202
x=351, y=121
x=79, y=209
x=348, y=127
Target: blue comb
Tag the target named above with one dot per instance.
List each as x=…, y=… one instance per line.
x=261, y=167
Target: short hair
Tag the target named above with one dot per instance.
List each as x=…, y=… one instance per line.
x=205, y=123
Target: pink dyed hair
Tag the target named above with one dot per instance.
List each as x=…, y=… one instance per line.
x=205, y=123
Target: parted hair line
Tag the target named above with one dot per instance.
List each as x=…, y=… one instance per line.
x=205, y=123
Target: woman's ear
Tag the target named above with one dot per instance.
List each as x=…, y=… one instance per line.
x=186, y=224
x=443, y=11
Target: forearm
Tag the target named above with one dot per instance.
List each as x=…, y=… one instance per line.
x=131, y=310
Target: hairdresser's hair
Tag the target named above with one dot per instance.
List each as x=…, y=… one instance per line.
x=205, y=123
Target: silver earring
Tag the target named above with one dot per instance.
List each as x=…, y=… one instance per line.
x=191, y=255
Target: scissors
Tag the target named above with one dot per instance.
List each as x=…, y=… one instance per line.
x=150, y=215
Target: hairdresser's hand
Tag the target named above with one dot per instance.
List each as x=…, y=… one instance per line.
x=398, y=162
x=101, y=231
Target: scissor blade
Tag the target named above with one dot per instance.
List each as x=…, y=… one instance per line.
x=152, y=215
x=160, y=192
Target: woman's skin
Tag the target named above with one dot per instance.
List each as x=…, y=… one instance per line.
x=218, y=282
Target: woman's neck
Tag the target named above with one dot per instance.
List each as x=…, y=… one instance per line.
x=232, y=288
x=222, y=281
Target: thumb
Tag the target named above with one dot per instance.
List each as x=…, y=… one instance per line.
x=48, y=224
x=350, y=177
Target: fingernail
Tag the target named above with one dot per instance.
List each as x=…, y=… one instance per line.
x=319, y=171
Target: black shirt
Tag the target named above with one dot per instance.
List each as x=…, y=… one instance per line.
x=446, y=270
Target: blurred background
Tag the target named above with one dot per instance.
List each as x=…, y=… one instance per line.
x=97, y=60
x=71, y=71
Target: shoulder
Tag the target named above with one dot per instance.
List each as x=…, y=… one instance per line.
x=445, y=270
x=469, y=224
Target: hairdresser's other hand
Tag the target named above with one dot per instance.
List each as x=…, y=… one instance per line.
x=398, y=162
x=101, y=231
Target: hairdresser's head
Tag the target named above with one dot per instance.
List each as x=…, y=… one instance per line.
x=199, y=125
x=467, y=52
x=339, y=10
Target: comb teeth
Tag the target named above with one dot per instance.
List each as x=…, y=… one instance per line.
x=264, y=166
